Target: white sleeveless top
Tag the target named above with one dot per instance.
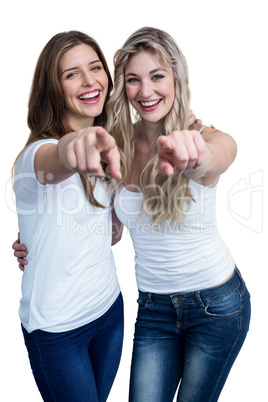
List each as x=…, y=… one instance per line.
x=191, y=258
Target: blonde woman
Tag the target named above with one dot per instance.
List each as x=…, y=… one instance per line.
x=194, y=307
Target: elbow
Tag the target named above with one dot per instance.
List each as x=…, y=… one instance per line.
x=116, y=238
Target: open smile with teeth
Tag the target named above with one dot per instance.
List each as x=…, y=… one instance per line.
x=151, y=103
x=90, y=95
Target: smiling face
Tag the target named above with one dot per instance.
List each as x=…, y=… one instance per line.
x=149, y=86
x=84, y=83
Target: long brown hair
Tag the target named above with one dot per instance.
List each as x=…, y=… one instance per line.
x=46, y=105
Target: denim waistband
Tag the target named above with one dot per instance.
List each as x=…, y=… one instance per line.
x=234, y=282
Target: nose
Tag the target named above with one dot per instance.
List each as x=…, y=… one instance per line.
x=88, y=79
x=146, y=89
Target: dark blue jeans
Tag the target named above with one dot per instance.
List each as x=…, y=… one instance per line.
x=189, y=342
x=78, y=365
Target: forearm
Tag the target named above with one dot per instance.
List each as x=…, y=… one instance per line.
x=204, y=169
x=62, y=149
x=117, y=229
x=49, y=167
x=220, y=152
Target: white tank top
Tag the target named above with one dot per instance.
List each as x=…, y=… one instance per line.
x=191, y=258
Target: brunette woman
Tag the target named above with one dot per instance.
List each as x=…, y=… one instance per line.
x=71, y=308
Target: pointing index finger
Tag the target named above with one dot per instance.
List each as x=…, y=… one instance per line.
x=109, y=152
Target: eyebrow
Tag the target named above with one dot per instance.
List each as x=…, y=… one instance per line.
x=75, y=68
x=151, y=72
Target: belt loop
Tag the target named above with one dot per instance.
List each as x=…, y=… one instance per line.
x=198, y=298
x=149, y=300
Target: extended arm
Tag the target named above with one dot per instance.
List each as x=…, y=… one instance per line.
x=202, y=157
x=81, y=152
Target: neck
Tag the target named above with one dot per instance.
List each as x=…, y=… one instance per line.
x=146, y=131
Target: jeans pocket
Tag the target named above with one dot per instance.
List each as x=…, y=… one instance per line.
x=227, y=306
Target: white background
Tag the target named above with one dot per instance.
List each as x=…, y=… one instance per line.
x=225, y=43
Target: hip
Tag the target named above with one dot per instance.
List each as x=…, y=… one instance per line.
x=184, y=311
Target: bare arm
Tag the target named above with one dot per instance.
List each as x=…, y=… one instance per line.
x=202, y=157
x=220, y=152
x=81, y=152
x=48, y=167
x=117, y=230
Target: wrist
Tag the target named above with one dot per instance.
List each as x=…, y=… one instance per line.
x=62, y=150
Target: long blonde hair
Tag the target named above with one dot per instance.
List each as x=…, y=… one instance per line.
x=46, y=108
x=164, y=197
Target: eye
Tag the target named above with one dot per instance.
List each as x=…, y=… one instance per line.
x=71, y=75
x=96, y=68
x=132, y=80
x=157, y=77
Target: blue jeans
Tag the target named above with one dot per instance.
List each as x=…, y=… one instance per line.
x=189, y=342
x=78, y=365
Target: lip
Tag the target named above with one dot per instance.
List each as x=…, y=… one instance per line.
x=89, y=98
x=149, y=105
